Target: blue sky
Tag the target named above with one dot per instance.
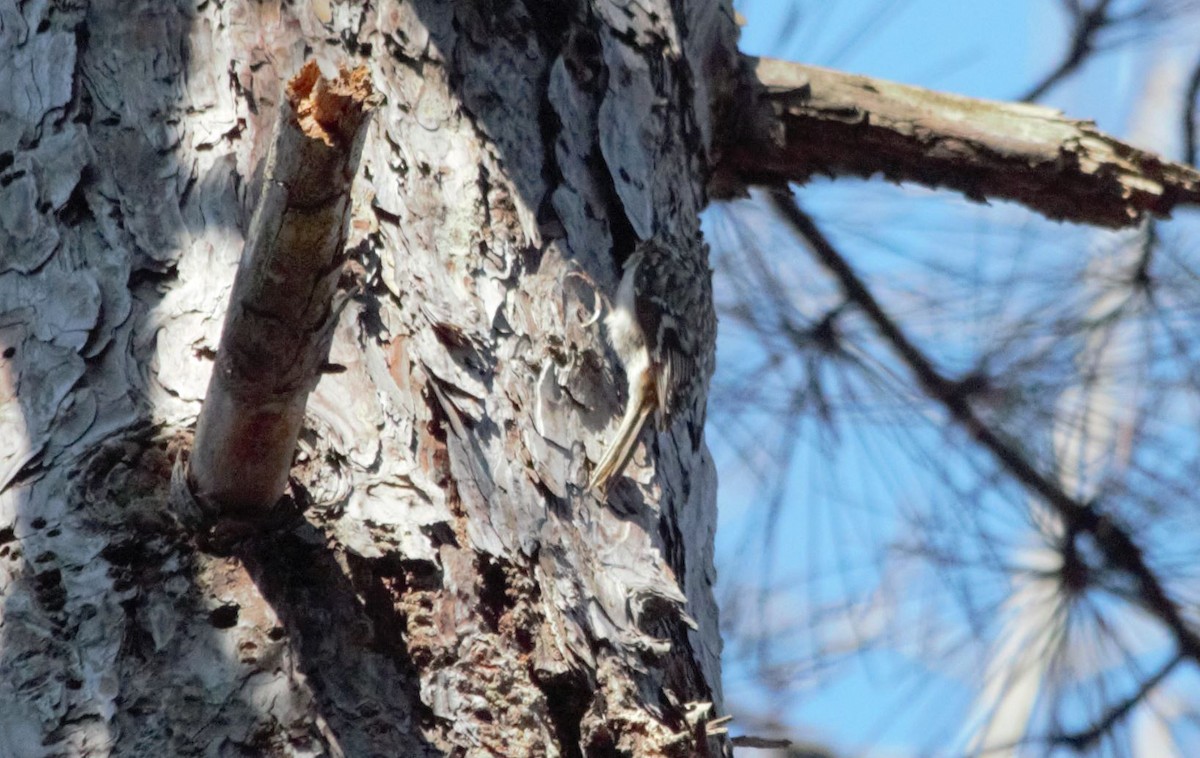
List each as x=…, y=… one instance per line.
x=883, y=703
x=982, y=48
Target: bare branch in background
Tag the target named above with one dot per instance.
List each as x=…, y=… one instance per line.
x=1102, y=25
x=837, y=124
x=1084, y=739
x=1118, y=548
x=1044, y=560
x=1191, y=112
x=1088, y=22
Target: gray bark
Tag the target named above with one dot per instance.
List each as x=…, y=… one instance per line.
x=450, y=587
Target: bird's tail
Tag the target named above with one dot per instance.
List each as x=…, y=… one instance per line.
x=612, y=463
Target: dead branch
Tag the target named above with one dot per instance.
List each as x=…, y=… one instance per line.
x=279, y=324
x=827, y=122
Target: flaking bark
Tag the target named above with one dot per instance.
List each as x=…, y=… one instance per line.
x=451, y=588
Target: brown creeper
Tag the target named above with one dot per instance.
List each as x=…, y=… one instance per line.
x=663, y=328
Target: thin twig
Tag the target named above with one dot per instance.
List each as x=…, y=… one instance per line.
x=1089, y=22
x=1084, y=738
x=1190, y=114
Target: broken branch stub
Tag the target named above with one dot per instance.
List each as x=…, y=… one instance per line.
x=279, y=325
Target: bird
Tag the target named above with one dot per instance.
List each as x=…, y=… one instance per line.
x=662, y=325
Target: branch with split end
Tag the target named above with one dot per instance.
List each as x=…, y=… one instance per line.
x=279, y=326
x=820, y=122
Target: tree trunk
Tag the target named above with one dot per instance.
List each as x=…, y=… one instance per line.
x=451, y=586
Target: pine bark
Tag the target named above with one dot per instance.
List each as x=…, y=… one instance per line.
x=448, y=587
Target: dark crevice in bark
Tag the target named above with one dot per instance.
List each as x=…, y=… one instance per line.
x=49, y=590
x=224, y=617
x=551, y=25
x=568, y=696
x=550, y=125
x=624, y=237
x=77, y=209
x=143, y=278
x=673, y=545
x=394, y=45
x=384, y=583
x=470, y=355
x=552, y=21
x=494, y=600
x=603, y=744
x=582, y=54
x=681, y=74
x=559, y=506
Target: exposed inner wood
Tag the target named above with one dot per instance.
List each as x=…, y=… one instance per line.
x=330, y=110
